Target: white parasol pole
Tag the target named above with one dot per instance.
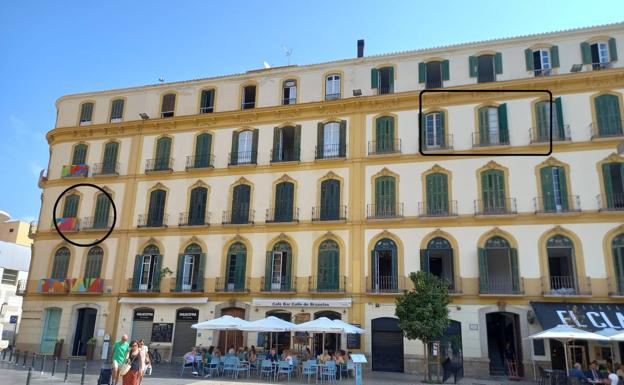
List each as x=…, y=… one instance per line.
x=565, y=355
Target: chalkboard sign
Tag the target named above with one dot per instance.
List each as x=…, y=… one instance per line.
x=538, y=348
x=353, y=340
x=162, y=332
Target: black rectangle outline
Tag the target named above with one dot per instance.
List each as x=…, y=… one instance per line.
x=420, y=120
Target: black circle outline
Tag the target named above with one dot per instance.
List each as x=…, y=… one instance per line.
x=109, y=231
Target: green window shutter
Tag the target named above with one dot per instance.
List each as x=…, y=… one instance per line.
x=424, y=260
x=483, y=270
x=163, y=152
x=374, y=78
x=548, y=194
x=200, y=272
x=86, y=112
x=528, y=58
x=93, y=267
x=268, y=270
x=297, y=142
x=515, y=274
x=391, y=77
x=472, y=66
x=157, y=269
x=563, y=188
x=542, y=116
x=440, y=130
x=320, y=140
x=342, y=150
x=102, y=211
x=422, y=72
x=110, y=157
x=498, y=63
x=608, y=115
x=618, y=263
x=586, y=53
x=484, y=126
x=612, y=49
x=80, y=154
x=197, y=206
x=276, y=144
x=503, y=129
x=608, y=184
x=180, y=272
x=240, y=270
x=136, y=278
x=559, y=110
x=117, y=107
x=70, y=208
x=287, y=273
x=446, y=74
x=155, y=214
x=254, y=146
x=554, y=56
x=203, y=146
x=234, y=153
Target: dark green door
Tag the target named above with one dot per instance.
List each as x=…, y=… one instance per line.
x=328, y=266
x=163, y=153
x=237, y=260
x=613, y=175
x=384, y=135
x=202, y=151
x=437, y=194
x=197, y=207
x=493, y=190
x=156, y=211
x=385, y=199
x=330, y=200
x=284, y=196
x=102, y=212
x=70, y=209
x=240, y=204
x=618, y=262
x=109, y=164
x=608, y=115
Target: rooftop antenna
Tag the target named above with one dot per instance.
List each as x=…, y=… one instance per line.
x=287, y=52
x=161, y=79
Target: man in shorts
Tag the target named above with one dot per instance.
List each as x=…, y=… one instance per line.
x=119, y=356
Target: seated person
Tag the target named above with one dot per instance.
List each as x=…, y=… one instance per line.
x=593, y=373
x=216, y=353
x=242, y=356
x=189, y=360
x=272, y=356
x=339, y=359
x=577, y=372
x=307, y=354
x=323, y=358
x=252, y=355
x=288, y=357
x=231, y=351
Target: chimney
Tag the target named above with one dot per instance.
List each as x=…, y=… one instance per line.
x=360, y=46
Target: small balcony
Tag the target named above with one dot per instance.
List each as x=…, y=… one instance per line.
x=223, y=285
x=53, y=286
x=436, y=144
x=382, y=90
x=153, y=286
x=537, y=135
x=385, y=284
x=154, y=221
x=557, y=205
x=159, y=165
x=197, y=286
x=500, y=285
x=86, y=286
x=69, y=224
x=105, y=169
x=248, y=105
x=240, y=216
x=288, y=101
x=193, y=219
x=539, y=72
x=437, y=209
x=280, y=215
x=332, y=96
x=610, y=202
x=391, y=146
x=609, y=129
x=194, y=162
x=330, y=151
x=285, y=285
x=504, y=206
x=285, y=155
x=332, y=213
x=75, y=171
x=96, y=224
x=602, y=66
x=385, y=211
x=20, y=288
x=561, y=286
x=318, y=284
x=491, y=140
x=242, y=158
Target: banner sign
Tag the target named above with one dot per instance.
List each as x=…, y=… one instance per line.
x=301, y=302
x=144, y=315
x=586, y=316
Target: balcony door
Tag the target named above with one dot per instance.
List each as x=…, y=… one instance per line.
x=493, y=192
x=498, y=267
x=437, y=259
x=384, y=266
x=617, y=248
x=330, y=200
x=328, y=266
x=561, y=265
x=385, y=197
x=237, y=259
x=197, y=206
x=279, y=262
x=384, y=135
x=608, y=115
x=554, y=189
x=613, y=175
x=190, y=276
x=102, y=212
x=241, y=195
x=284, y=202
x=437, y=194
x=156, y=210
x=147, y=269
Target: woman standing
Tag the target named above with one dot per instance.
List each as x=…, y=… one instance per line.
x=136, y=359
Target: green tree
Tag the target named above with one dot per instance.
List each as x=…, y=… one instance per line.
x=423, y=311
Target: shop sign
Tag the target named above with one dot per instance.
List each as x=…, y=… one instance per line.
x=188, y=315
x=144, y=315
x=302, y=302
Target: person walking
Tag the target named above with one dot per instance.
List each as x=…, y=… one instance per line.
x=136, y=360
x=119, y=355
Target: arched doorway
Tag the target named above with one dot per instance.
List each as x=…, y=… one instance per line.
x=85, y=326
x=234, y=337
x=384, y=266
x=332, y=340
x=279, y=341
x=387, y=345
x=184, y=336
x=503, y=342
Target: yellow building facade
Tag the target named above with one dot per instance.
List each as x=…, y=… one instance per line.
x=307, y=191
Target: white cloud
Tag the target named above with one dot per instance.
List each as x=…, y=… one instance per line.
x=35, y=168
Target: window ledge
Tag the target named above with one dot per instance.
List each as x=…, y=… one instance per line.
x=243, y=165
x=197, y=169
x=152, y=227
x=550, y=295
x=329, y=159
x=285, y=162
x=501, y=295
x=557, y=213
x=547, y=143
x=496, y=215
x=606, y=138
x=438, y=150
x=168, y=171
x=490, y=147
x=109, y=175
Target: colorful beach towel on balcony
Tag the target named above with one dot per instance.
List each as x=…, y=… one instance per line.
x=51, y=285
x=87, y=285
x=67, y=224
x=75, y=170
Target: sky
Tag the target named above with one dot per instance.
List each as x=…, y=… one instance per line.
x=53, y=48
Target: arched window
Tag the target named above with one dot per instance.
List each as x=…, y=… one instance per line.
x=437, y=194
x=167, y=109
x=493, y=129
x=608, y=116
x=385, y=197
x=156, y=210
x=332, y=87
x=203, y=148
x=102, y=218
x=241, y=196
x=278, y=268
x=561, y=265
x=117, y=110
x=284, y=210
x=330, y=201
x=86, y=113
x=244, y=147
x=437, y=259
x=236, y=267
x=385, y=142
x=109, y=161
x=331, y=140
x=617, y=248
x=384, y=267
x=498, y=267
x=147, y=270
x=93, y=267
x=190, y=273
x=197, y=207
x=60, y=264
x=328, y=267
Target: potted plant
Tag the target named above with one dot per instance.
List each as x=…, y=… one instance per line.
x=90, y=348
x=58, y=347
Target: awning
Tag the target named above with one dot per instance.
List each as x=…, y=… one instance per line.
x=592, y=317
x=163, y=301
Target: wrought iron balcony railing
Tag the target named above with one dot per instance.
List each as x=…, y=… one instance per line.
x=284, y=155
x=503, y=206
x=537, y=135
x=285, y=284
x=385, y=89
x=159, y=164
x=248, y=105
x=385, y=211
x=564, y=285
x=610, y=202
x=102, y=169
x=330, y=151
x=332, y=96
x=329, y=213
x=232, y=285
x=147, y=220
x=385, y=284
x=282, y=215
x=287, y=101
x=96, y=223
x=437, y=209
x=153, y=286
x=390, y=146
x=492, y=139
x=539, y=72
x=197, y=286
x=500, y=285
x=552, y=204
x=194, y=219
x=602, y=66
x=240, y=216
x=430, y=144
x=242, y=158
x=199, y=161
x=326, y=284
x=611, y=128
